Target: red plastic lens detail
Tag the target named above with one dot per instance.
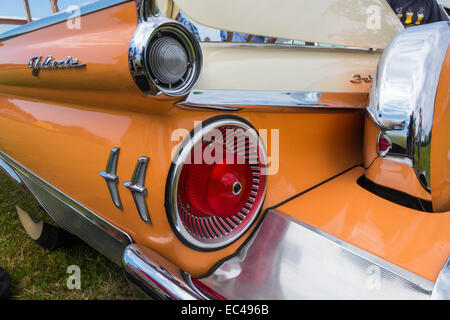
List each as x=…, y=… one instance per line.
x=383, y=143
x=207, y=290
x=214, y=198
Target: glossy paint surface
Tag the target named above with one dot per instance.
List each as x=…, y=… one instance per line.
x=440, y=143
x=416, y=241
x=398, y=176
x=68, y=146
x=63, y=124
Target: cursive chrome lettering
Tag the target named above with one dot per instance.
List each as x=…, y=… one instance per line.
x=36, y=63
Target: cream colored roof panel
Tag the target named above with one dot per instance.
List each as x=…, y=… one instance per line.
x=354, y=23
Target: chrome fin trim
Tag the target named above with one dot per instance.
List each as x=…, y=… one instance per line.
x=289, y=259
x=58, y=18
x=111, y=178
x=138, y=189
x=72, y=216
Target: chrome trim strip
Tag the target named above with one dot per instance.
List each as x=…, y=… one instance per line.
x=289, y=259
x=441, y=289
x=156, y=276
x=226, y=99
x=58, y=18
x=138, y=189
x=111, y=178
x=72, y=216
x=225, y=44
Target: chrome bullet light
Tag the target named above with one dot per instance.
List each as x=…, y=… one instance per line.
x=164, y=56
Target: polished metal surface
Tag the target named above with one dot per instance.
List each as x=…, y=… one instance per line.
x=35, y=64
x=289, y=259
x=252, y=98
x=71, y=215
x=441, y=289
x=111, y=178
x=58, y=18
x=153, y=25
x=404, y=90
x=234, y=100
x=156, y=276
x=172, y=208
x=138, y=189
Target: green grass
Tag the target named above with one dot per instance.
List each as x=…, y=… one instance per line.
x=37, y=273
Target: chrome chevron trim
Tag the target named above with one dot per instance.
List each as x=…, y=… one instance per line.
x=111, y=178
x=71, y=215
x=289, y=259
x=138, y=189
x=234, y=100
x=58, y=18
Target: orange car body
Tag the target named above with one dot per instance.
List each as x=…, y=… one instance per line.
x=61, y=125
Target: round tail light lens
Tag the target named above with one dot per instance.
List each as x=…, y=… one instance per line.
x=173, y=59
x=217, y=184
x=168, y=59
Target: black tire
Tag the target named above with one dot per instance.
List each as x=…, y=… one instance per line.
x=4, y=285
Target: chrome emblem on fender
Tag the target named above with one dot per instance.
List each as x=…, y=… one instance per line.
x=36, y=64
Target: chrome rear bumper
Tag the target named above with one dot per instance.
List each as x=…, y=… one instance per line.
x=149, y=273
x=289, y=259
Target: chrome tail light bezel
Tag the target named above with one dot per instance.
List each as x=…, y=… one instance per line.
x=152, y=23
x=171, y=190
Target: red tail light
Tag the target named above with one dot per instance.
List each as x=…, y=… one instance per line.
x=214, y=202
x=384, y=144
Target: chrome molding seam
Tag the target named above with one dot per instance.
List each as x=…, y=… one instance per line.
x=71, y=215
x=289, y=259
x=58, y=18
x=152, y=24
x=13, y=188
x=235, y=100
x=155, y=276
x=404, y=91
x=441, y=289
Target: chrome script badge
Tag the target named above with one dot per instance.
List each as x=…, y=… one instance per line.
x=36, y=64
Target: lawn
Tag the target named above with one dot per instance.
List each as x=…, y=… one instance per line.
x=37, y=273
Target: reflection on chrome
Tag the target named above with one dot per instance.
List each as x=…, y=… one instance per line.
x=207, y=34
x=404, y=91
x=286, y=251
